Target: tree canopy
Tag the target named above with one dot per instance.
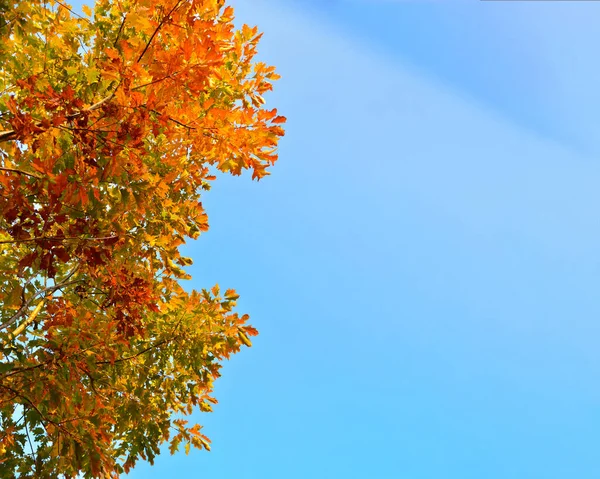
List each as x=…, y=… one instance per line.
x=112, y=124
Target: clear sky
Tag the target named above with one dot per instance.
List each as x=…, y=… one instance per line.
x=424, y=262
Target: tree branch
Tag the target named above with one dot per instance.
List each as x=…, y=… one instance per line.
x=139, y=353
x=20, y=172
x=72, y=12
x=162, y=22
x=33, y=453
x=9, y=135
x=25, y=323
x=152, y=346
x=120, y=30
x=58, y=238
x=30, y=402
x=50, y=289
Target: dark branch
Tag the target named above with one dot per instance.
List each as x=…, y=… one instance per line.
x=156, y=30
x=50, y=289
x=120, y=30
x=9, y=135
x=58, y=238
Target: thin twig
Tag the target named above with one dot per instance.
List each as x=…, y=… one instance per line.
x=165, y=18
x=50, y=289
x=72, y=12
x=120, y=30
x=33, y=453
x=28, y=368
x=9, y=135
x=139, y=353
x=152, y=346
x=28, y=401
x=50, y=360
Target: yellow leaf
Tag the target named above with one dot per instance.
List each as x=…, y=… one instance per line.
x=140, y=21
x=13, y=299
x=244, y=338
x=205, y=443
x=87, y=10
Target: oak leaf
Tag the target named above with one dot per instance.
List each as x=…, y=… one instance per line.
x=112, y=125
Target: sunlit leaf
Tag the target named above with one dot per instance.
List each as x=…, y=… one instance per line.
x=112, y=125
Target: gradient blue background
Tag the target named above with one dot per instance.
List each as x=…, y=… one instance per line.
x=423, y=264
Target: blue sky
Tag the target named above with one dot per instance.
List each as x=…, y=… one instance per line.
x=423, y=264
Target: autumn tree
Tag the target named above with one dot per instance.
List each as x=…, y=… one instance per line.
x=112, y=123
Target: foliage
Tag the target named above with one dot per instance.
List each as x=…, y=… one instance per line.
x=112, y=124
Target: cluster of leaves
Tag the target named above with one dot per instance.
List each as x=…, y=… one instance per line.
x=110, y=126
